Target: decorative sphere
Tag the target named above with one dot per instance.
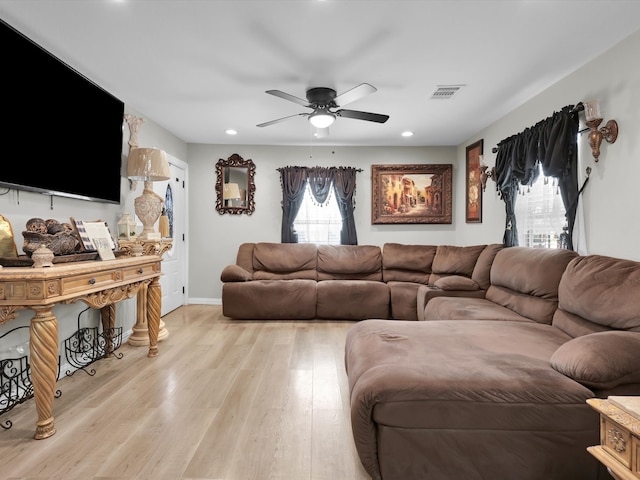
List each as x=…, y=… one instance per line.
x=36, y=225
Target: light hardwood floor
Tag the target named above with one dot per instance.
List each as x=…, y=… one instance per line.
x=225, y=399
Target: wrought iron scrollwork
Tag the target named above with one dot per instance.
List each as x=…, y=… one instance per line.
x=88, y=345
x=15, y=380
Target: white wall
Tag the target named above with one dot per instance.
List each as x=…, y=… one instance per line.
x=214, y=238
x=612, y=220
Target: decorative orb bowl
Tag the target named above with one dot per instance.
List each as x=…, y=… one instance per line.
x=62, y=243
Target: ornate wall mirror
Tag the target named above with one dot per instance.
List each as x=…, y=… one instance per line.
x=235, y=185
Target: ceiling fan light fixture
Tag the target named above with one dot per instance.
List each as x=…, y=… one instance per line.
x=322, y=118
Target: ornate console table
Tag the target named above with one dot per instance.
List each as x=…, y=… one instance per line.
x=619, y=448
x=100, y=284
x=139, y=333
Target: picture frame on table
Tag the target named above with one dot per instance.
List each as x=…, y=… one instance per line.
x=473, y=197
x=411, y=194
x=105, y=252
x=89, y=231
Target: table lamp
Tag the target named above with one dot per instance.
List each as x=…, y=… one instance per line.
x=149, y=165
x=231, y=192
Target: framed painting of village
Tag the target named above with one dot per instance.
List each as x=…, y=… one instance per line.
x=474, y=189
x=420, y=193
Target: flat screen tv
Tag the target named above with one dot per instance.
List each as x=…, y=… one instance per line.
x=63, y=136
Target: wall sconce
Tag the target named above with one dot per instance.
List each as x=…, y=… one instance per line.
x=485, y=173
x=594, y=118
x=149, y=165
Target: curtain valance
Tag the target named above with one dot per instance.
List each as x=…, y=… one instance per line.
x=320, y=180
x=552, y=144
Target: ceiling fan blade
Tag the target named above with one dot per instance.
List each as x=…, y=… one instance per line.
x=354, y=94
x=370, y=117
x=289, y=97
x=266, y=124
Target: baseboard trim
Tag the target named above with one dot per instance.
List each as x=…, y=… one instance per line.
x=205, y=301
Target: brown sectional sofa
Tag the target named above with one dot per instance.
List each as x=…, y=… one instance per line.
x=408, y=269
x=496, y=387
x=523, y=286
x=348, y=282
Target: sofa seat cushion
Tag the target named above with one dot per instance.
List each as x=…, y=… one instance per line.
x=453, y=308
x=270, y=299
x=477, y=360
x=475, y=386
x=352, y=299
x=426, y=293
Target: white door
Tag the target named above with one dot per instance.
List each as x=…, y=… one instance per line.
x=173, y=282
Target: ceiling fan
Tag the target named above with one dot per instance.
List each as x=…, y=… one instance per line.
x=324, y=103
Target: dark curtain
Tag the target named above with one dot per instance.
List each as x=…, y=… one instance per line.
x=551, y=143
x=507, y=185
x=294, y=182
x=559, y=159
x=320, y=179
x=344, y=186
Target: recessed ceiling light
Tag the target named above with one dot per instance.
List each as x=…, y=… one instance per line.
x=407, y=134
x=231, y=131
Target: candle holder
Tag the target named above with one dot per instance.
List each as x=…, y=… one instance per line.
x=593, y=119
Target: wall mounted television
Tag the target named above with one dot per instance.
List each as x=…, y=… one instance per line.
x=64, y=135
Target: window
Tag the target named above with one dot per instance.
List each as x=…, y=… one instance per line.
x=540, y=214
x=320, y=224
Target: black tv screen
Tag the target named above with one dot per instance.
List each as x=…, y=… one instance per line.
x=63, y=135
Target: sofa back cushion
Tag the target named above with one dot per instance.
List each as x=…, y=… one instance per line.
x=599, y=293
x=244, y=258
x=407, y=263
x=284, y=261
x=349, y=262
x=454, y=260
x=482, y=271
x=526, y=279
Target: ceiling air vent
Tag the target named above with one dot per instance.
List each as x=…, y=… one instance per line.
x=444, y=92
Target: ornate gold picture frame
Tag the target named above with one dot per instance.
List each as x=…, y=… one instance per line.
x=411, y=193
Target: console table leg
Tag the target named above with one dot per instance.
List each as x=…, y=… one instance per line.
x=44, y=367
x=140, y=332
x=108, y=317
x=154, y=303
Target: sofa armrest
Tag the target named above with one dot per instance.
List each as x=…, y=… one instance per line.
x=235, y=273
x=427, y=292
x=601, y=360
x=456, y=282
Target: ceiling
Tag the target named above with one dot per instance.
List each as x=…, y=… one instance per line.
x=199, y=67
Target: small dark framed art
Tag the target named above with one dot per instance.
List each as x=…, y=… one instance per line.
x=473, y=159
